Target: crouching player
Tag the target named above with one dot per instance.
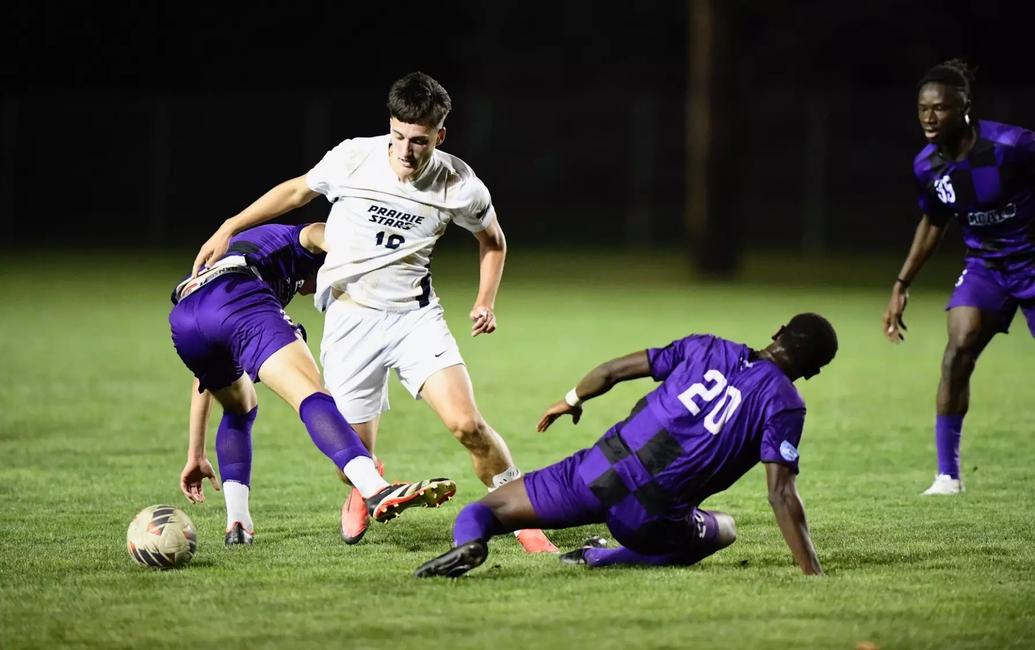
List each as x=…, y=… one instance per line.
x=229, y=327
x=720, y=409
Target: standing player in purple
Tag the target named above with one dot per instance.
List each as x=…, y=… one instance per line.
x=982, y=173
x=720, y=409
x=229, y=327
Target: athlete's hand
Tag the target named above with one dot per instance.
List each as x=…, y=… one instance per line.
x=211, y=251
x=557, y=410
x=194, y=473
x=893, y=325
x=484, y=320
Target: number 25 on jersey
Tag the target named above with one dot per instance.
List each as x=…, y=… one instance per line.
x=723, y=409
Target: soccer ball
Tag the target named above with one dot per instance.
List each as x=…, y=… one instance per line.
x=162, y=537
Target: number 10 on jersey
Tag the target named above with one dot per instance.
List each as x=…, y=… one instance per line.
x=724, y=408
x=393, y=241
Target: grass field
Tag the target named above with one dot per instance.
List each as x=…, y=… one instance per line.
x=93, y=408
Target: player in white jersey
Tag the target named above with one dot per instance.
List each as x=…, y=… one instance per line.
x=392, y=197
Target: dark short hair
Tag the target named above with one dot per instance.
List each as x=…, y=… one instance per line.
x=419, y=99
x=810, y=341
x=954, y=73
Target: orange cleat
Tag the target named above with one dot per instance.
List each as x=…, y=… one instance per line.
x=534, y=540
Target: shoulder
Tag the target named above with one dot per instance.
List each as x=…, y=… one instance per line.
x=460, y=179
x=1005, y=135
x=782, y=395
x=774, y=390
x=922, y=161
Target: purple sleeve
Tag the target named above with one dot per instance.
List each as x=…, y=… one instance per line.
x=781, y=437
x=664, y=360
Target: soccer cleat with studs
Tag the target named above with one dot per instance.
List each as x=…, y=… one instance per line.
x=578, y=556
x=455, y=562
x=390, y=502
x=238, y=536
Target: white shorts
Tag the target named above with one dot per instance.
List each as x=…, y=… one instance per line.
x=361, y=344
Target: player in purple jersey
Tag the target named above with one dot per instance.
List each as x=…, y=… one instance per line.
x=983, y=174
x=720, y=409
x=229, y=327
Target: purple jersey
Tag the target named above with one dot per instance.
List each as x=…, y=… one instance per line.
x=991, y=191
x=716, y=414
x=274, y=252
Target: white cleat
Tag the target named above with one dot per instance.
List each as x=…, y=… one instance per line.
x=945, y=485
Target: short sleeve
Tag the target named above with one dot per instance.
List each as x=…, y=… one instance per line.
x=477, y=212
x=664, y=360
x=781, y=437
x=331, y=170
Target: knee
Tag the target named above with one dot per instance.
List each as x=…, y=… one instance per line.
x=960, y=353
x=472, y=431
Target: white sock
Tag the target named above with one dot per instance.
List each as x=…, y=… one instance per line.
x=504, y=477
x=362, y=473
x=236, y=496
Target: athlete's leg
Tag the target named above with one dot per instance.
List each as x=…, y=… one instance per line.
x=707, y=532
x=200, y=341
x=970, y=330
x=234, y=455
x=981, y=306
x=292, y=374
x=449, y=393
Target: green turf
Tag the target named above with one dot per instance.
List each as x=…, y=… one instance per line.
x=93, y=406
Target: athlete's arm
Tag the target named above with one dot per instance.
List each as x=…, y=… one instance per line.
x=790, y=516
x=492, y=251
x=312, y=238
x=283, y=198
x=599, y=380
x=197, y=467
x=928, y=234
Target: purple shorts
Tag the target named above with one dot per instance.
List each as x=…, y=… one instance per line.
x=561, y=499
x=998, y=291
x=229, y=327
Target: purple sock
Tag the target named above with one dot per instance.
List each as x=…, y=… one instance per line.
x=476, y=522
x=947, y=430
x=601, y=557
x=234, y=447
x=329, y=430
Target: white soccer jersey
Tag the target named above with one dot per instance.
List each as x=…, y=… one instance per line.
x=381, y=231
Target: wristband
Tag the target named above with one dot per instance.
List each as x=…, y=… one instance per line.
x=904, y=283
x=572, y=399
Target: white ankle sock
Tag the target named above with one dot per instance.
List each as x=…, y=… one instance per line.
x=236, y=496
x=362, y=473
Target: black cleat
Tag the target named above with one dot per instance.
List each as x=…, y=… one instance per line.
x=237, y=535
x=456, y=562
x=578, y=556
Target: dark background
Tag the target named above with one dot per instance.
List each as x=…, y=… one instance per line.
x=150, y=125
